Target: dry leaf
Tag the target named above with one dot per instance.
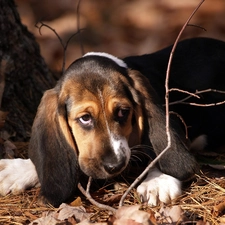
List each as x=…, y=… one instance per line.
x=219, y=208
x=50, y=220
x=170, y=214
x=87, y=222
x=133, y=214
x=200, y=222
x=63, y=213
x=126, y=221
x=222, y=220
x=76, y=202
x=112, y=199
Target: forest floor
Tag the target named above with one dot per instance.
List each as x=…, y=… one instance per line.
x=201, y=203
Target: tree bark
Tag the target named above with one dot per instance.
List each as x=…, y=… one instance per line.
x=24, y=74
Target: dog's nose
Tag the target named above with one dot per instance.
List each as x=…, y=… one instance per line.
x=112, y=168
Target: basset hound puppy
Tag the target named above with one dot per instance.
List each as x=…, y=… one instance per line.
x=103, y=107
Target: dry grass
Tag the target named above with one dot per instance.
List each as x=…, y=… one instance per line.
x=22, y=208
x=203, y=200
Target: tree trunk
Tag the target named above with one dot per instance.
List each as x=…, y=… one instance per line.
x=24, y=76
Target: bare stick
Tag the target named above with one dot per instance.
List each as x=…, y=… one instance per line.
x=194, y=25
x=64, y=46
x=205, y=105
x=182, y=120
x=168, y=71
x=183, y=91
x=167, y=112
x=88, y=196
x=182, y=101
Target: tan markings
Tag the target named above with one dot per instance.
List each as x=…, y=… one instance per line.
x=122, y=103
x=49, y=100
x=103, y=112
x=47, y=113
x=83, y=108
x=139, y=119
x=66, y=131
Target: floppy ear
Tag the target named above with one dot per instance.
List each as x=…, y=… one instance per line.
x=53, y=150
x=177, y=161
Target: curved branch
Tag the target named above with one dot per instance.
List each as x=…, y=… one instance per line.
x=167, y=110
x=88, y=196
x=182, y=101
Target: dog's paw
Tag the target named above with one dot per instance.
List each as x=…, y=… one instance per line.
x=159, y=187
x=16, y=175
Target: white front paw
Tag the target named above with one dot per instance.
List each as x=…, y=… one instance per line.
x=159, y=187
x=16, y=175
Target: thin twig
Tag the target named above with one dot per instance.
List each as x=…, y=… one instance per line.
x=168, y=72
x=204, y=105
x=186, y=92
x=194, y=25
x=138, y=179
x=182, y=101
x=64, y=46
x=88, y=196
x=182, y=120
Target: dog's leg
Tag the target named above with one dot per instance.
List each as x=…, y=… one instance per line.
x=159, y=187
x=16, y=175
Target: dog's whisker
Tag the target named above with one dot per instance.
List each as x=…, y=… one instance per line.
x=135, y=157
x=136, y=153
x=141, y=147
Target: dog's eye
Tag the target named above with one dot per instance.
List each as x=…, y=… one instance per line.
x=122, y=114
x=86, y=120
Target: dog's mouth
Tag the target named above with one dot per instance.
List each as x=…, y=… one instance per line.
x=104, y=168
x=97, y=171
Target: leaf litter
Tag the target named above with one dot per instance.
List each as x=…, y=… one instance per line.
x=202, y=203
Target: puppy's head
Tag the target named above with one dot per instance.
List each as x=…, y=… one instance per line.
x=98, y=105
x=88, y=121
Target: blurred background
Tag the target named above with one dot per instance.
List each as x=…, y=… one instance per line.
x=119, y=27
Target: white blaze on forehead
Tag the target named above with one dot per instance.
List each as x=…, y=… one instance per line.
x=109, y=56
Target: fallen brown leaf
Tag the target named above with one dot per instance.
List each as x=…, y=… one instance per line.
x=172, y=214
x=63, y=213
x=76, y=202
x=115, y=198
x=126, y=221
x=200, y=222
x=131, y=215
x=219, y=208
x=50, y=220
